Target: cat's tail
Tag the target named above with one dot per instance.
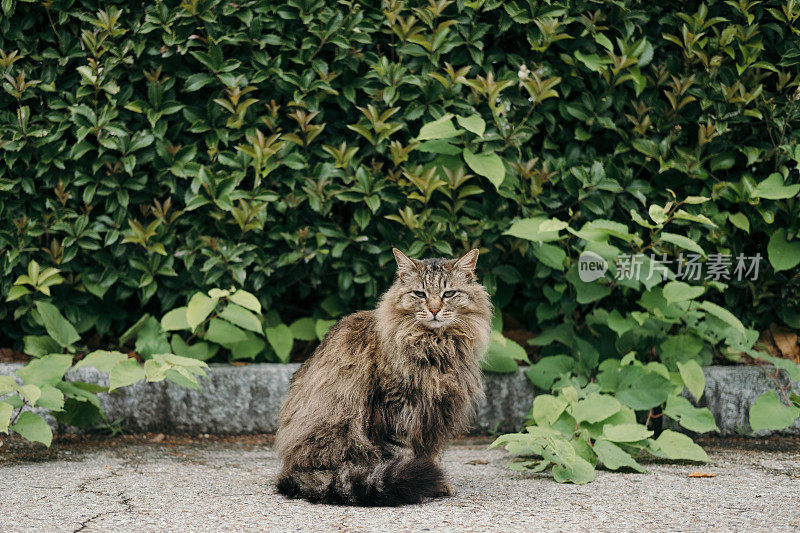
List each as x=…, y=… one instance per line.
x=398, y=481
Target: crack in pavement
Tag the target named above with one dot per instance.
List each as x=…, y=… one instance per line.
x=121, y=499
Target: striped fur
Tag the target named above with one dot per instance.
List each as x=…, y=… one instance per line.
x=368, y=414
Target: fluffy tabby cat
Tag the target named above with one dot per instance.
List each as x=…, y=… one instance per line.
x=369, y=413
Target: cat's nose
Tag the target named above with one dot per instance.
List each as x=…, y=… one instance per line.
x=434, y=310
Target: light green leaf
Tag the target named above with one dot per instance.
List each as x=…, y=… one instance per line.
x=219, y=293
x=791, y=368
x=47, y=370
x=619, y=324
x=246, y=300
x=545, y=371
x=5, y=416
x=155, y=370
x=626, y=433
x=181, y=377
x=503, y=354
x=697, y=419
x=132, y=331
x=180, y=361
x=247, y=349
x=439, y=146
x=239, y=316
x=489, y=165
x=7, y=384
x=304, y=329
x=644, y=391
x=594, y=408
x=280, y=338
x=497, y=361
x=783, y=254
x=16, y=292
x=592, y=61
x=724, y=315
x=473, y=123
x=56, y=325
x=579, y=472
x=613, y=457
x=539, y=229
x=586, y=292
x=696, y=199
x=51, y=398
x=151, y=339
x=39, y=345
x=125, y=373
x=200, y=306
x=773, y=188
x=768, y=412
x=223, y=333
x=678, y=291
x=202, y=351
x=604, y=41
x=599, y=231
x=33, y=428
x=322, y=326
x=175, y=320
x=441, y=128
x=197, y=81
x=550, y=255
x=568, y=466
x=684, y=242
x=658, y=213
x=680, y=214
x=636, y=217
x=693, y=377
x=102, y=360
x=678, y=446
x=547, y=409
x=30, y=393
x=740, y=221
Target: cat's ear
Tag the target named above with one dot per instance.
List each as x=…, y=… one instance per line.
x=405, y=264
x=467, y=263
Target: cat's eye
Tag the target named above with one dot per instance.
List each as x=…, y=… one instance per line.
x=448, y=294
x=419, y=294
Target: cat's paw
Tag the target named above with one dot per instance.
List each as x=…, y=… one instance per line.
x=444, y=489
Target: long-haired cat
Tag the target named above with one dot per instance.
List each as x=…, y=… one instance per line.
x=369, y=413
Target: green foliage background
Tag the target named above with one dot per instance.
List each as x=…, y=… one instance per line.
x=151, y=150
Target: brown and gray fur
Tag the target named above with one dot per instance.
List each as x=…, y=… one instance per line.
x=368, y=415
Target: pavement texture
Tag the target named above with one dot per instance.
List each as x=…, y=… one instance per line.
x=157, y=483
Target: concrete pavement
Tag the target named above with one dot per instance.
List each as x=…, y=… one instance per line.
x=214, y=484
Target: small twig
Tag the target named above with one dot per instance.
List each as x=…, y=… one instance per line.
x=19, y=412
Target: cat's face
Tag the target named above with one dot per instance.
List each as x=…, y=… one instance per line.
x=437, y=291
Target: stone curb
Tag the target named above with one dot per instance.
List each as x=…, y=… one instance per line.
x=243, y=399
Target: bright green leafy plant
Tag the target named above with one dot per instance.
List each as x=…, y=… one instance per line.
x=75, y=402
x=584, y=425
x=43, y=385
x=231, y=319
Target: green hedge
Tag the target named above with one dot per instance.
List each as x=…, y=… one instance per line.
x=153, y=149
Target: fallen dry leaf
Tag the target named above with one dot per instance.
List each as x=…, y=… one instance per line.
x=477, y=462
x=157, y=438
x=701, y=474
x=786, y=341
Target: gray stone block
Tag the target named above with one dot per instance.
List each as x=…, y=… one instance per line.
x=242, y=399
x=731, y=390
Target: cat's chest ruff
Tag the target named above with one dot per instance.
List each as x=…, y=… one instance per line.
x=438, y=351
